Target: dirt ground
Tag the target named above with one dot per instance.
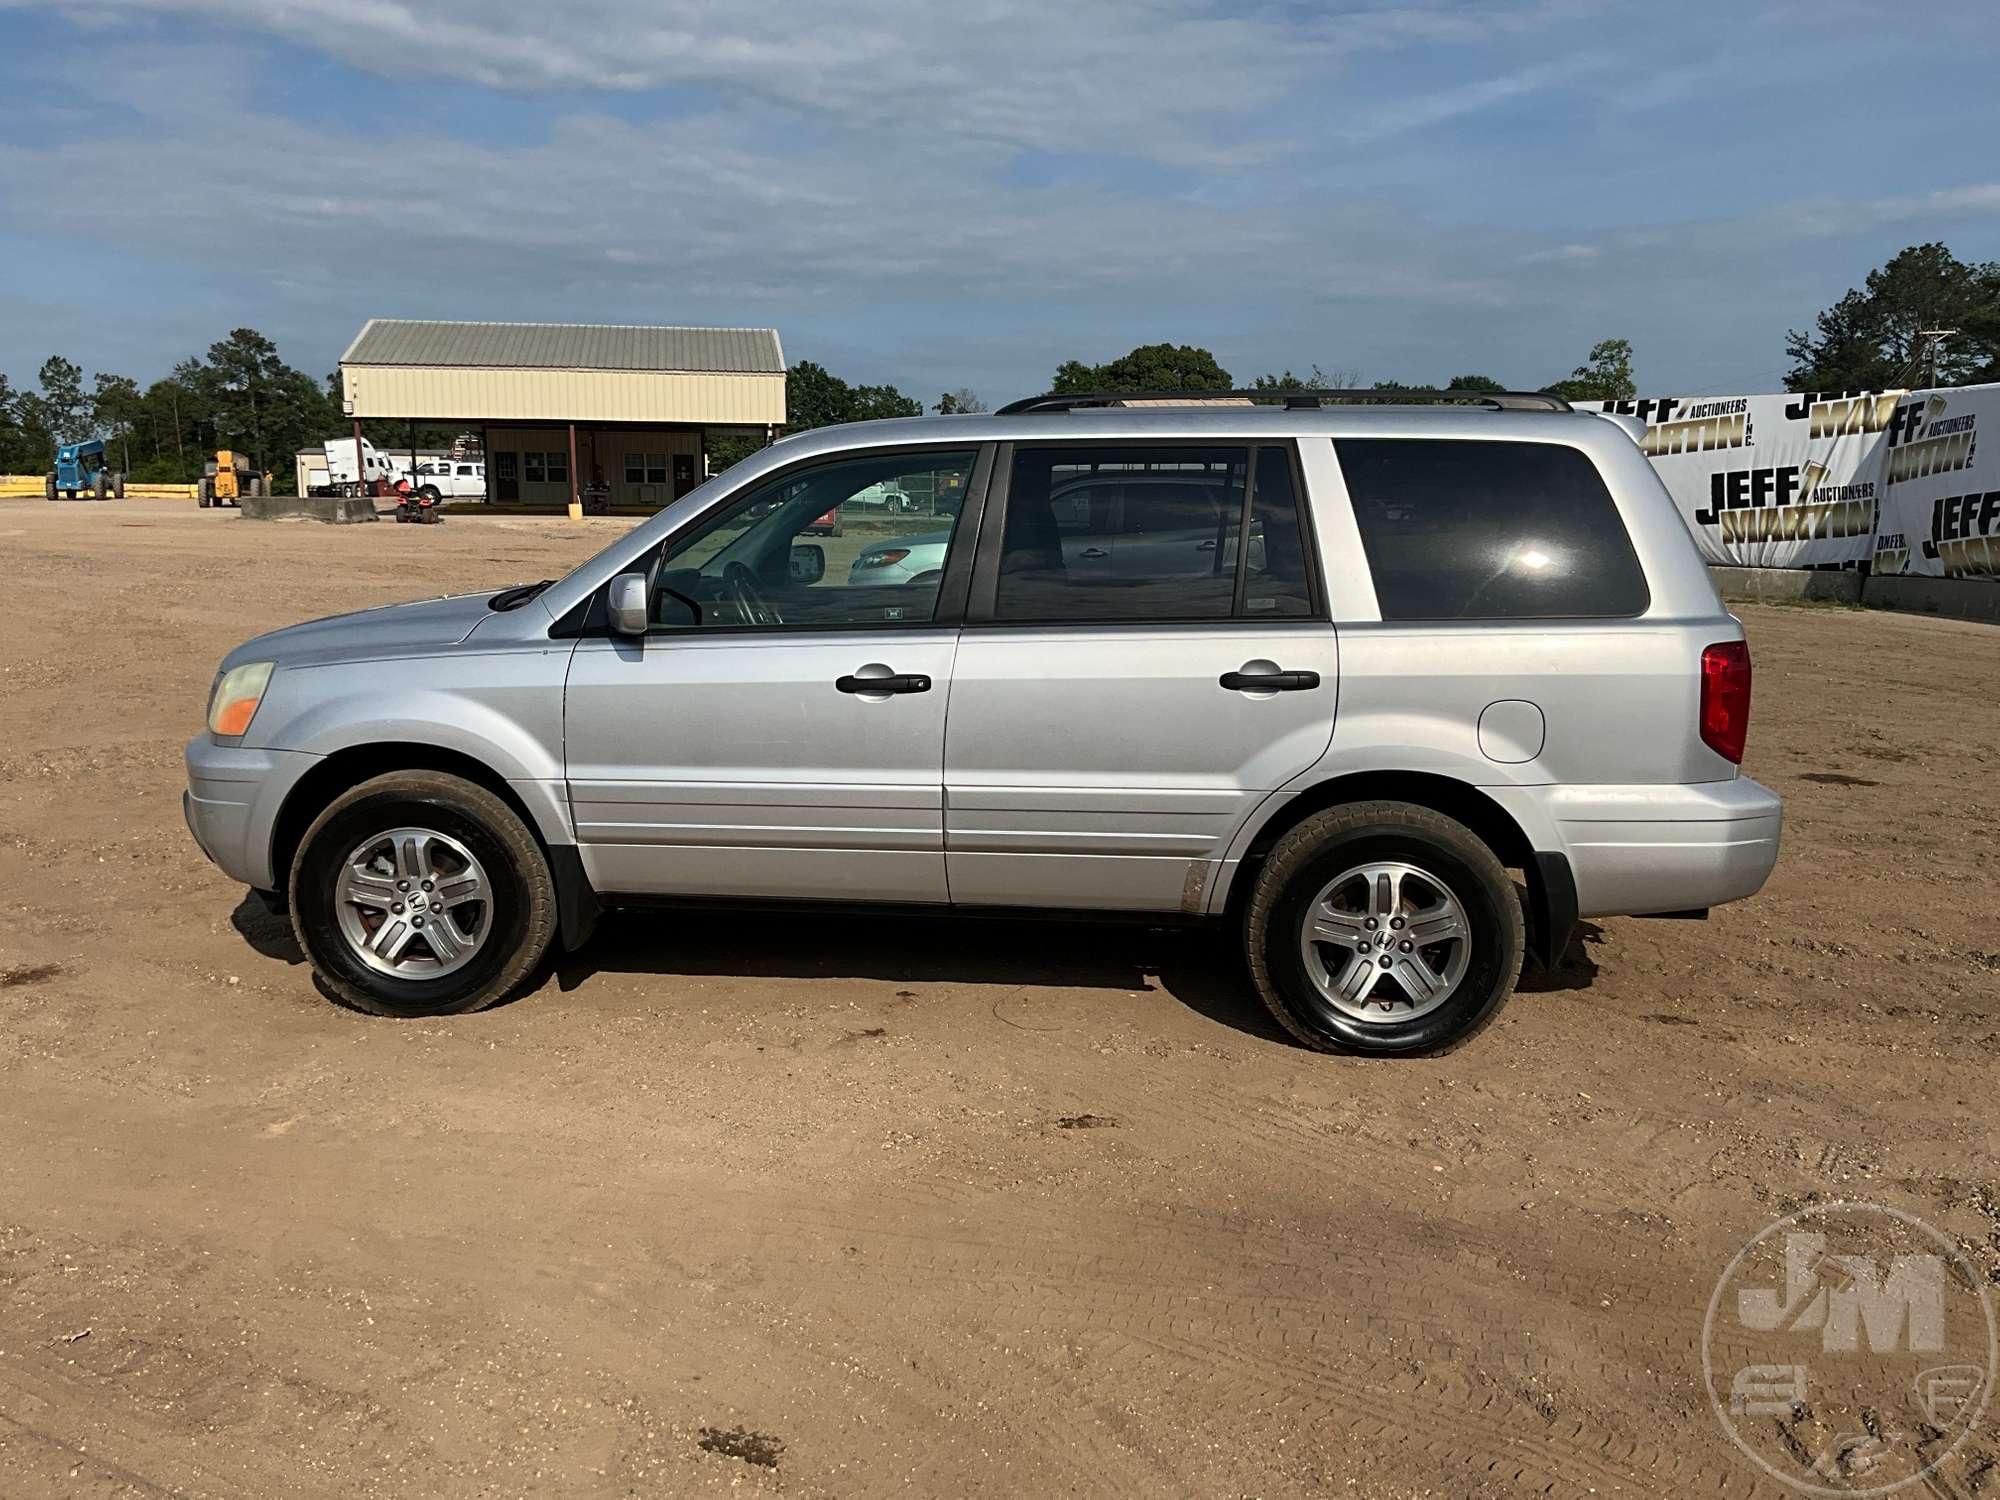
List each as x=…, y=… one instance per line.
x=844, y=1207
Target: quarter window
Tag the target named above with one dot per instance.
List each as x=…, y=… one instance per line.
x=1489, y=530
x=1151, y=534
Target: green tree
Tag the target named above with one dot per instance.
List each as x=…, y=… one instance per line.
x=13, y=442
x=960, y=402
x=60, y=410
x=1474, y=383
x=116, y=410
x=1317, y=380
x=815, y=397
x=1605, y=376
x=1876, y=337
x=258, y=404
x=1150, y=367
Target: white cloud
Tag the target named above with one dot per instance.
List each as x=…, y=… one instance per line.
x=877, y=182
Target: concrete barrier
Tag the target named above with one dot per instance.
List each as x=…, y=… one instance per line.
x=333, y=509
x=1960, y=598
x=1785, y=585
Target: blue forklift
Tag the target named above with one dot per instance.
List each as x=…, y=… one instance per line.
x=82, y=469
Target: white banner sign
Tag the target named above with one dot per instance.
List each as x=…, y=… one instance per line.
x=1941, y=509
x=1785, y=481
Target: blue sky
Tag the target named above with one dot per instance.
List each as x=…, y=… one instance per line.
x=966, y=195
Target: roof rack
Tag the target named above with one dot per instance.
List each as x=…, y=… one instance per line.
x=1310, y=400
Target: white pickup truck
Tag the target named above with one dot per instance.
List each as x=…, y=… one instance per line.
x=450, y=479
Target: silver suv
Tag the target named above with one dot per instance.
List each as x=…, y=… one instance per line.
x=1325, y=673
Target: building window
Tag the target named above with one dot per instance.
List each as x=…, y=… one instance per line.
x=645, y=468
x=546, y=468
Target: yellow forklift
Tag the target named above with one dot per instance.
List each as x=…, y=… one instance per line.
x=227, y=479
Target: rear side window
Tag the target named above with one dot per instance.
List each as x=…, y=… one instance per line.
x=1139, y=534
x=1489, y=531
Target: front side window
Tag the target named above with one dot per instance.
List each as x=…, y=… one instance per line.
x=1144, y=534
x=809, y=549
x=1489, y=530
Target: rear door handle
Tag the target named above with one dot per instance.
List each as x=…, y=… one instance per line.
x=1270, y=682
x=895, y=682
x=1093, y=553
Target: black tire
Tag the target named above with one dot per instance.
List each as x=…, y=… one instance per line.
x=101, y=485
x=1317, y=852
x=523, y=918
x=118, y=487
x=49, y=490
x=429, y=492
x=201, y=494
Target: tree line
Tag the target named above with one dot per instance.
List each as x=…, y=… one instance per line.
x=1924, y=317
x=241, y=396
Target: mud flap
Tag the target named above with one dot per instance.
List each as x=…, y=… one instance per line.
x=1552, y=905
x=577, y=906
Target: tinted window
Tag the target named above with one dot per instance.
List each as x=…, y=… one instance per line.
x=1276, y=580
x=1489, y=531
x=1149, y=534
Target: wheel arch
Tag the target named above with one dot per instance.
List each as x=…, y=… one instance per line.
x=348, y=767
x=1551, y=888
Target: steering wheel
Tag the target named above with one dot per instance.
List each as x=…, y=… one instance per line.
x=741, y=586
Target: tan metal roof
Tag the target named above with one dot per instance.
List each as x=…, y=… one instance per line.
x=566, y=346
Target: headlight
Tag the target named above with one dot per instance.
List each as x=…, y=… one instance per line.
x=236, y=698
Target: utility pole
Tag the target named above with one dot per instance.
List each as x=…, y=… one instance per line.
x=1934, y=337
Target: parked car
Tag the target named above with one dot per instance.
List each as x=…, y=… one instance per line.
x=1448, y=679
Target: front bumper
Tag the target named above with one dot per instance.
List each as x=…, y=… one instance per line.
x=231, y=804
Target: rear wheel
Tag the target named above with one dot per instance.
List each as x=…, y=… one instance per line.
x=49, y=490
x=421, y=894
x=1383, y=927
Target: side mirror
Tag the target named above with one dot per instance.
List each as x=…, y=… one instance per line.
x=628, y=604
x=808, y=562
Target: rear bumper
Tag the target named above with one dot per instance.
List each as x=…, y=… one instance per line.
x=231, y=804
x=1635, y=850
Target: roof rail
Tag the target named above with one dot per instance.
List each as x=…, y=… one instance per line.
x=1309, y=400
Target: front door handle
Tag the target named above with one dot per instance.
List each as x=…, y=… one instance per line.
x=1093, y=553
x=1270, y=682
x=895, y=682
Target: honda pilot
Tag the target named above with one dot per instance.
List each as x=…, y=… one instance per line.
x=1394, y=693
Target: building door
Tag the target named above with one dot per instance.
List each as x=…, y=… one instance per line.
x=506, y=476
x=1107, y=735
x=742, y=748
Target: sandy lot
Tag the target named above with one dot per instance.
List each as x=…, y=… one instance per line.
x=842, y=1207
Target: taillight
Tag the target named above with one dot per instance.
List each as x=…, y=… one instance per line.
x=1725, y=698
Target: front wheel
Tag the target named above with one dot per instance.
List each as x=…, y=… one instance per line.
x=421, y=894
x=1383, y=927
